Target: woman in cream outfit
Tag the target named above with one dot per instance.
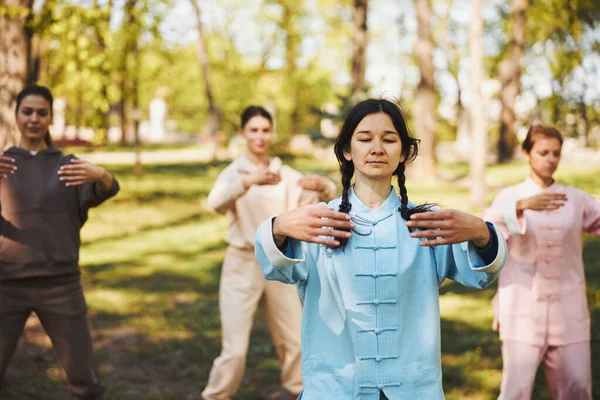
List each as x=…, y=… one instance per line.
x=252, y=188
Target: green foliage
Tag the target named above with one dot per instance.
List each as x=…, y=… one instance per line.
x=561, y=32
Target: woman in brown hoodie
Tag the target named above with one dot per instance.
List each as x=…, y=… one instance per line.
x=44, y=200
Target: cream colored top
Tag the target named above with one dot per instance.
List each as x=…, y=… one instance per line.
x=248, y=208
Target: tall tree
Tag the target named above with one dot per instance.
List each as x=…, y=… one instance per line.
x=477, y=109
x=291, y=12
x=359, y=41
x=214, y=114
x=509, y=74
x=102, y=35
x=15, y=43
x=448, y=37
x=425, y=102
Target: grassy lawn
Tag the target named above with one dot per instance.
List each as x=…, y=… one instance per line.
x=151, y=261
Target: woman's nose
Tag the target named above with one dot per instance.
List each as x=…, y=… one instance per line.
x=377, y=147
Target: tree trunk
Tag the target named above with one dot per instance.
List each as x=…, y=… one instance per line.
x=138, y=170
x=359, y=46
x=131, y=34
x=509, y=74
x=123, y=103
x=292, y=42
x=102, y=29
x=585, y=121
x=424, y=104
x=34, y=62
x=14, y=51
x=214, y=114
x=477, y=109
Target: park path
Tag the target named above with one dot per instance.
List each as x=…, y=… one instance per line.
x=579, y=156
x=174, y=156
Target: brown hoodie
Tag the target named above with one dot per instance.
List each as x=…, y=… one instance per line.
x=40, y=217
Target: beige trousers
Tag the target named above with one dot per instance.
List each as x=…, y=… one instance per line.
x=567, y=369
x=241, y=288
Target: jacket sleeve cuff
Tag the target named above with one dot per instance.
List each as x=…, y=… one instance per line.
x=477, y=259
x=293, y=253
x=514, y=224
x=107, y=193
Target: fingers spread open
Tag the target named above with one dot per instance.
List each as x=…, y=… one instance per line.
x=69, y=168
x=332, y=232
x=440, y=223
x=435, y=242
x=76, y=183
x=324, y=241
x=432, y=215
x=430, y=233
x=71, y=178
x=337, y=223
x=326, y=212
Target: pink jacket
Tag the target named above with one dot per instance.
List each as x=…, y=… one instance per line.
x=248, y=208
x=541, y=290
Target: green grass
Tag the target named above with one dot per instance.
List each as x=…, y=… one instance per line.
x=151, y=262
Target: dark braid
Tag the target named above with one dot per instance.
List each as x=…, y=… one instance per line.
x=347, y=171
x=404, y=210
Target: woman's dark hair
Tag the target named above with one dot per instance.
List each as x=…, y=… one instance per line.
x=253, y=111
x=540, y=130
x=410, y=147
x=35, y=90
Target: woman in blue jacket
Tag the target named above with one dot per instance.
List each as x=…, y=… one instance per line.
x=369, y=265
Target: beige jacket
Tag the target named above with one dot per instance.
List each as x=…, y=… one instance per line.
x=248, y=208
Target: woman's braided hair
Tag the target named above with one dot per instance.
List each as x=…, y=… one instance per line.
x=410, y=147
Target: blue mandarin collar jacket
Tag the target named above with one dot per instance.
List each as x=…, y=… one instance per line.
x=371, y=319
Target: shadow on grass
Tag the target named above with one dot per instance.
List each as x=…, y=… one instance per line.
x=180, y=170
x=187, y=219
x=152, y=196
x=467, y=350
x=456, y=288
x=141, y=364
x=164, y=282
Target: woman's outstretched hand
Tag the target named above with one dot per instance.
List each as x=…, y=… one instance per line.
x=79, y=172
x=449, y=227
x=542, y=202
x=310, y=223
x=261, y=176
x=319, y=184
x=7, y=166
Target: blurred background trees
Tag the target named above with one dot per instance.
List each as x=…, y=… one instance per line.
x=209, y=59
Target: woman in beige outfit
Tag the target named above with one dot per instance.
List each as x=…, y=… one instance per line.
x=251, y=189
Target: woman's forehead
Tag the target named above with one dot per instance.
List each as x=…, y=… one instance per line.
x=258, y=121
x=376, y=123
x=35, y=102
x=546, y=142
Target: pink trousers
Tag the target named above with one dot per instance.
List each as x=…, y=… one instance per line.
x=567, y=369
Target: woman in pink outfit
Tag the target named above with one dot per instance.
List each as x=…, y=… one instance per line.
x=541, y=307
x=251, y=189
